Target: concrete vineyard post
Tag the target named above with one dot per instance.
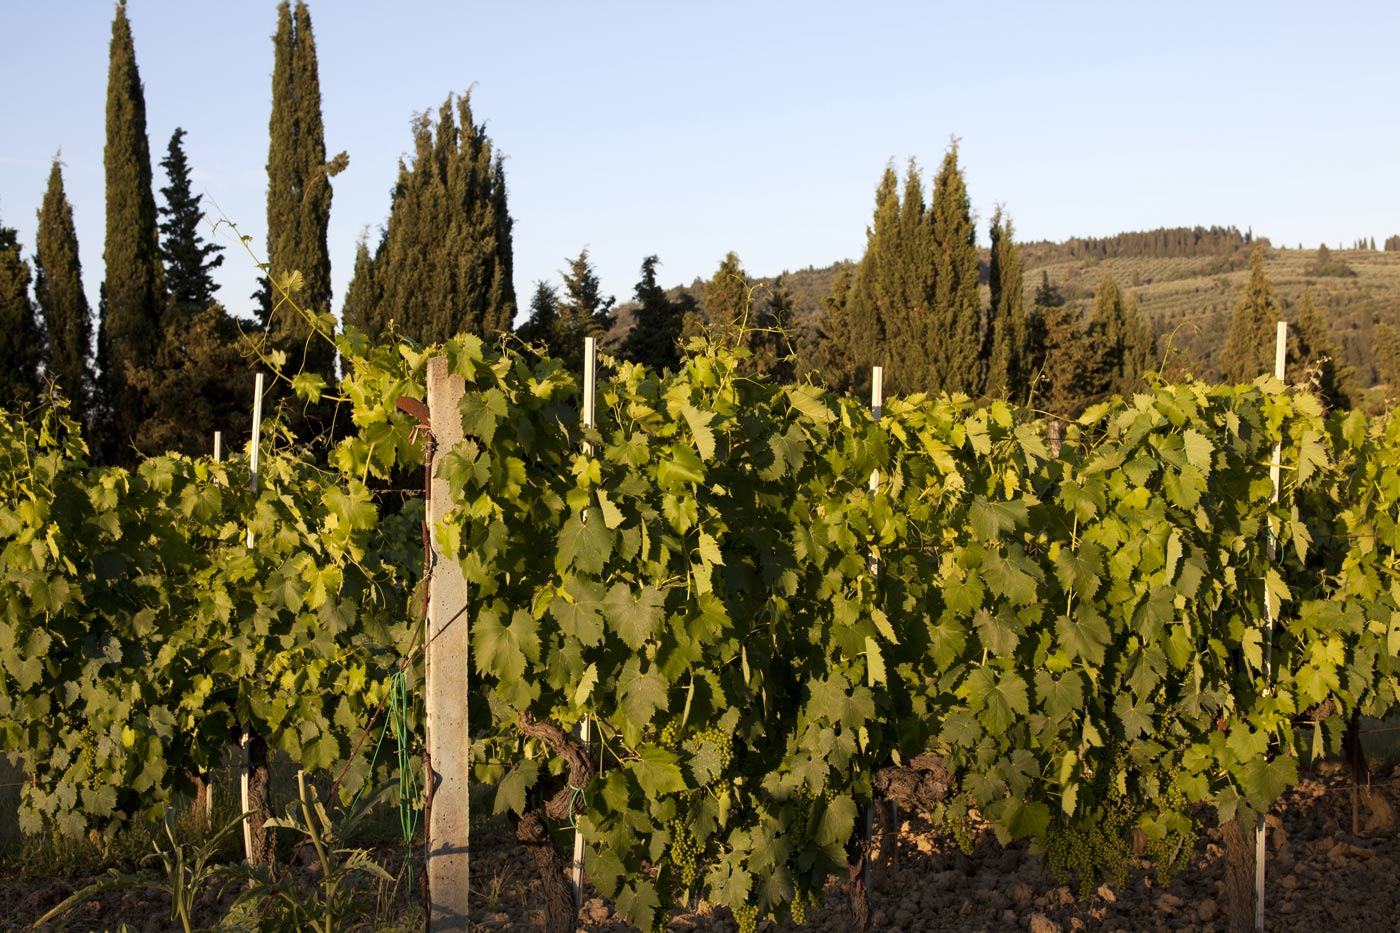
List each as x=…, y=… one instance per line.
x=245, y=766
x=447, y=666
x=585, y=726
x=1275, y=465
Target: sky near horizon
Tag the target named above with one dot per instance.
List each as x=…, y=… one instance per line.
x=689, y=130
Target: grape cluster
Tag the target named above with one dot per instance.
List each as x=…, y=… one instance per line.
x=684, y=854
x=1172, y=852
x=670, y=735
x=1095, y=847
x=747, y=917
x=962, y=834
x=723, y=742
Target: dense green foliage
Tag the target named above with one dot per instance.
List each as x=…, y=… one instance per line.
x=1072, y=635
x=654, y=340
x=138, y=630
x=445, y=263
x=189, y=259
x=298, y=196
x=133, y=291
x=756, y=632
x=58, y=289
x=1163, y=242
x=21, y=340
x=1007, y=365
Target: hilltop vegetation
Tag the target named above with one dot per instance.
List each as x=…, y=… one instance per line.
x=1185, y=296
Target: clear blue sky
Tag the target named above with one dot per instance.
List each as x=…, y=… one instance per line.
x=688, y=130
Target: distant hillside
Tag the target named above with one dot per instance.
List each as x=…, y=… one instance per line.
x=1186, y=282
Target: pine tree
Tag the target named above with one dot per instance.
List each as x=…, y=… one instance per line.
x=583, y=309
x=654, y=339
x=445, y=263
x=21, y=341
x=1314, y=358
x=1249, y=348
x=58, y=287
x=1006, y=376
x=1068, y=372
x=1120, y=344
x=956, y=334
x=724, y=312
x=189, y=260
x=298, y=197
x=133, y=291
x=541, y=328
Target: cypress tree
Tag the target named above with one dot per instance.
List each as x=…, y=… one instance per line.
x=832, y=358
x=1068, y=370
x=1314, y=358
x=955, y=335
x=1120, y=345
x=298, y=197
x=189, y=260
x=867, y=304
x=1006, y=369
x=133, y=291
x=1047, y=298
x=21, y=341
x=58, y=286
x=445, y=263
x=906, y=291
x=654, y=340
x=774, y=356
x=1249, y=347
x=361, y=308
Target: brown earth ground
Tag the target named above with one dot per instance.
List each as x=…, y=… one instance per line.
x=1322, y=876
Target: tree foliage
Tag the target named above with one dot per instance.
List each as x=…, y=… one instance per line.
x=956, y=334
x=445, y=263
x=189, y=259
x=298, y=200
x=21, y=340
x=655, y=336
x=1249, y=347
x=58, y=288
x=1008, y=335
x=133, y=291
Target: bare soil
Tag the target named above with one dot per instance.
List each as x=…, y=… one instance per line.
x=1322, y=876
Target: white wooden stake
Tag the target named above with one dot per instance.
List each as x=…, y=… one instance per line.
x=877, y=408
x=208, y=780
x=585, y=726
x=447, y=669
x=1275, y=465
x=246, y=766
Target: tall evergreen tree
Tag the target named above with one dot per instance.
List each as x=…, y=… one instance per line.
x=444, y=265
x=189, y=259
x=21, y=341
x=956, y=333
x=583, y=309
x=1314, y=360
x=724, y=306
x=654, y=339
x=1120, y=344
x=1006, y=369
x=298, y=196
x=832, y=358
x=1249, y=348
x=58, y=286
x=1068, y=372
x=362, y=305
x=133, y=291
x=774, y=353
x=542, y=326
x=1038, y=322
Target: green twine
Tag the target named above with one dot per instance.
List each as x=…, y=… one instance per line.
x=397, y=721
x=576, y=805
